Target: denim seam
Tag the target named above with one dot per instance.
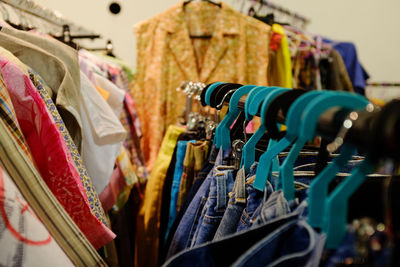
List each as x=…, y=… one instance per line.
x=222, y=168
x=256, y=248
x=244, y=216
x=274, y=234
x=195, y=222
x=241, y=200
x=221, y=191
x=274, y=204
x=245, y=223
x=302, y=253
x=210, y=219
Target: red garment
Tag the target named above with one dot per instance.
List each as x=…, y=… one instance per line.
x=51, y=153
x=275, y=41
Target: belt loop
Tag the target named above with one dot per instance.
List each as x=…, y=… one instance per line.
x=221, y=190
x=240, y=184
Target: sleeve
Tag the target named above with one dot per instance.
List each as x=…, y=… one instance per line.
x=257, y=50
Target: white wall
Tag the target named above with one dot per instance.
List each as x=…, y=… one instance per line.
x=95, y=15
x=374, y=26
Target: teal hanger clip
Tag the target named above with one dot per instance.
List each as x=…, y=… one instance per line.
x=222, y=133
x=335, y=219
x=264, y=97
x=308, y=131
x=293, y=119
x=318, y=192
x=254, y=94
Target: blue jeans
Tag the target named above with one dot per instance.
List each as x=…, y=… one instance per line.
x=201, y=177
x=236, y=205
x=211, y=216
x=226, y=251
x=292, y=244
x=274, y=207
x=180, y=156
x=185, y=231
x=254, y=200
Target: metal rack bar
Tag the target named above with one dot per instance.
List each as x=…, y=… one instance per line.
x=283, y=10
x=36, y=10
x=384, y=84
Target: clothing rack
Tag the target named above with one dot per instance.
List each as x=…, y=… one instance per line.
x=362, y=133
x=35, y=10
x=108, y=49
x=384, y=84
x=283, y=10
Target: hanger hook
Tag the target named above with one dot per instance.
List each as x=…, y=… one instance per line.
x=261, y=4
x=219, y=106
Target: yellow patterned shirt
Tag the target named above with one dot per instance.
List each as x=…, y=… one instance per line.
x=167, y=55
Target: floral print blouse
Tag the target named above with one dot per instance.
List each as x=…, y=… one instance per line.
x=237, y=51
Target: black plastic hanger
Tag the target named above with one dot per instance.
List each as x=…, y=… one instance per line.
x=281, y=103
x=203, y=95
x=386, y=137
x=207, y=36
x=208, y=1
x=213, y=102
x=223, y=94
x=267, y=19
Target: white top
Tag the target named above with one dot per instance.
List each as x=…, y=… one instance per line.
x=103, y=135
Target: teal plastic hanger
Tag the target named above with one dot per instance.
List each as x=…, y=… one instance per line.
x=308, y=127
x=318, y=192
x=210, y=90
x=292, y=123
x=263, y=97
x=208, y=95
x=335, y=219
x=250, y=100
x=222, y=133
x=250, y=110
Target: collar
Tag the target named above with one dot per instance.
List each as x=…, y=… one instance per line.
x=228, y=24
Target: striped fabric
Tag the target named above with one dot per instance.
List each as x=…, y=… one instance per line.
x=23, y=236
x=51, y=154
x=15, y=161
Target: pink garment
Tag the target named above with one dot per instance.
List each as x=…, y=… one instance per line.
x=249, y=127
x=108, y=197
x=51, y=154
